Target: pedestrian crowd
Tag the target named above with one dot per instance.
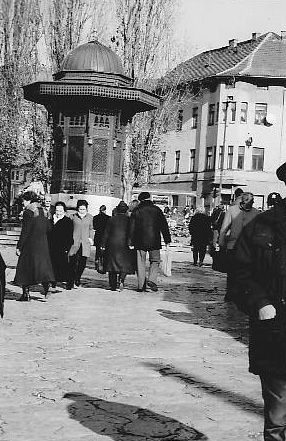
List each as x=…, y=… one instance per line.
x=53, y=247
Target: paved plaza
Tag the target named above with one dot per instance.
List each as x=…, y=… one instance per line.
x=95, y=365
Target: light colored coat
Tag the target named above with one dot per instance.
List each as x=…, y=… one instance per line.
x=82, y=232
x=234, y=220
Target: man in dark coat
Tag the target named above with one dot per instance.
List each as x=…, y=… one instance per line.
x=99, y=225
x=201, y=234
x=260, y=254
x=147, y=222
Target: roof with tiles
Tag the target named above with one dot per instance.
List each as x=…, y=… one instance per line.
x=264, y=56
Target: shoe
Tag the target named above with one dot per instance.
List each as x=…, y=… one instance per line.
x=69, y=286
x=46, y=289
x=77, y=283
x=195, y=264
x=25, y=297
x=152, y=286
x=200, y=263
x=140, y=290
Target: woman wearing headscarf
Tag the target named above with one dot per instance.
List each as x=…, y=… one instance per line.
x=34, y=264
x=60, y=241
x=119, y=259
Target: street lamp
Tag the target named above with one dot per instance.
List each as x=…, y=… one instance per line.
x=229, y=100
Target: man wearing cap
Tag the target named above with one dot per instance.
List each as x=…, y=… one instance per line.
x=260, y=254
x=236, y=217
x=273, y=199
x=147, y=223
x=99, y=225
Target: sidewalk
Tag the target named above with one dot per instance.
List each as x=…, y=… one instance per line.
x=94, y=365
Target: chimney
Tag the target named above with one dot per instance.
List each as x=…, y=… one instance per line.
x=255, y=35
x=232, y=43
x=283, y=35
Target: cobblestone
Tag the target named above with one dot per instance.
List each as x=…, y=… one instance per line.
x=95, y=365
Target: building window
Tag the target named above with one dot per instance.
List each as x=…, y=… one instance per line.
x=77, y=120
x=180, y=120
x=217, y=113
x=220, y=157
x=163, y=162
x=12, y=175
x=192, y=159
x=232, y=111
x=257, y=159
x=209, y=158
x=177, y=161
x=260, y=113
x=230, y=157
x=211, y=114
x=102, y=121
x=195, y=117
x=240, y=157
x=62, y=120
x=224, y=110
x=243, y=112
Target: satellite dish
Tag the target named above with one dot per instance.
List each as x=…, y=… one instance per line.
x=270, y=119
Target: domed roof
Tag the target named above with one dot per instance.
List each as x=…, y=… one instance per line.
x=93, y=56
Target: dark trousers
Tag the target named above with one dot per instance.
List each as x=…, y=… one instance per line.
x=274, y=396
x=231, y=286
x=115, y=279
x=77, y=266
x=199, y=252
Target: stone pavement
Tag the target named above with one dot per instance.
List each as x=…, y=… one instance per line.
x=95, y=365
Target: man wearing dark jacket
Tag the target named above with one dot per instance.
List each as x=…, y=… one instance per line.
x=99, y=225
x=260, y=254
x=147, y=222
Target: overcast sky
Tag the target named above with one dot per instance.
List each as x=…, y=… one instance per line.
x=207, y=24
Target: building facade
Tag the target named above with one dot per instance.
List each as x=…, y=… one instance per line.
x=231, y=133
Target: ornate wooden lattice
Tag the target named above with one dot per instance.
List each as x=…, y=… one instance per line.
x=99, y=155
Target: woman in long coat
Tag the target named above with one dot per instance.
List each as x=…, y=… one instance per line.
x=34, y=264
x=119, y=259
x=60, y=241
x=201, y=234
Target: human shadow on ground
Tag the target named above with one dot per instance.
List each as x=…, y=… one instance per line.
x=202, y=291
x=235, y=398
x=13, y=295
x=124, y=422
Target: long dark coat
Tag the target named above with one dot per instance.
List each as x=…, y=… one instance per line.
x=34, y=264
x=200, y=229
x=147, y=223
x=118, y=256
x=60, y=241
x=260, y=254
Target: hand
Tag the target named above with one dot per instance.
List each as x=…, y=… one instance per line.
x=268, y=312
x=90, y=241
x=131, y=247
x=18, y=252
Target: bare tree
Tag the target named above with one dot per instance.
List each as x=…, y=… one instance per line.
x=19, y=29
x=142, y=41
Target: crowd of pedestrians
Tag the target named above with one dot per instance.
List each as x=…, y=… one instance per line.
x=53, y=247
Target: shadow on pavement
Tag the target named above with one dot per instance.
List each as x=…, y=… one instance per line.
x=202, y=292
x=234, y=398
x=123, y=422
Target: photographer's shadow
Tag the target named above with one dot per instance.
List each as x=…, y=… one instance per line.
x=123, y=422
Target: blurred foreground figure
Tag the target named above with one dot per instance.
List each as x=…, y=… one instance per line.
x=260, y=255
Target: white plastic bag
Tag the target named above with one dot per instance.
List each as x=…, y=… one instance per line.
x=166, y=262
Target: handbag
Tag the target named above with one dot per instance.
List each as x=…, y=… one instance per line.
x=220, y=261
x=166, y=262
x=99, y=263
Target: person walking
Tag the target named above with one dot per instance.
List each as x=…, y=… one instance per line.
x=34, y=264
x=82, y=241
x=201, y=234
x=217, y=217
x=99, y=224
x=235, y=219
x=260, y=254
x=147, y=223
x=60, y=242
x=118, y=258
